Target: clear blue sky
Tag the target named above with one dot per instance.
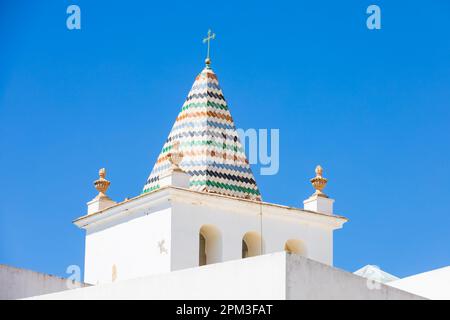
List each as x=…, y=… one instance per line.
x=372, y=107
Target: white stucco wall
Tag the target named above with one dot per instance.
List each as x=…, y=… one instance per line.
x=273, y=276
x=308, y=279
x=128, y=236
x=234, y=222
x=18, y=283
x=261, y=278
x=434, y=284
x=131, y=244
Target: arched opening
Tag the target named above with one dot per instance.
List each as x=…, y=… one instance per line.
x=244, y=249
x=202, y=251
x=295, y=246
x=114, y=273
x=210, y=245
x=251, y=244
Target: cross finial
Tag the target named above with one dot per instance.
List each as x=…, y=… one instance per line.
x=211, y=36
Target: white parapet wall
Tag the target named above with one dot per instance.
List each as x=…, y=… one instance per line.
x=310, y=280
x=434, y=284
x=18, y=283
x=276, y=276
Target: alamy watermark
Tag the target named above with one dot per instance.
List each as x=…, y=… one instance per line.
x=373, y=22
x=259, y=152
x=373, y=284
x=74, y=279
x=73, y=21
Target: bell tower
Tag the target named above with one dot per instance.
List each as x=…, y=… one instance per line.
x=200, y=204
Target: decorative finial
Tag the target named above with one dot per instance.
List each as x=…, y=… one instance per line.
x=319, y=183
x=101, y=184
x=211, y=36
x=176, y=156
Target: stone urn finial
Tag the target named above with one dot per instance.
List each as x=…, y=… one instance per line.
x=101, y=184
x=319, y=183
x=175, y=157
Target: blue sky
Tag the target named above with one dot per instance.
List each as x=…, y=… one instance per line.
x=372, y=107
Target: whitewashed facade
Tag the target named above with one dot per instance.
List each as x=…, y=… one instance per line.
x=160, y=232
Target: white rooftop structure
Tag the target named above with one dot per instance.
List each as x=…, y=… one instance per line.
x=373, y=272
x=17, y=283
x=434, y=284
x=175, y=228
x=276, y=276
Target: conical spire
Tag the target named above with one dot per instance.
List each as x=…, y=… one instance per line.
x=205, y=133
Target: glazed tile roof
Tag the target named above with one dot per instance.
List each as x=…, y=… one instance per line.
x=205, y=134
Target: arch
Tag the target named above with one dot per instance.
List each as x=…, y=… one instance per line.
x=251, y=244
x=210, y=245
x=202, y=250
x=295, y=246
x=244, y=249
x=114, y=273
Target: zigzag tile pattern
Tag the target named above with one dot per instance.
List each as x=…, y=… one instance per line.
x=212, y=153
